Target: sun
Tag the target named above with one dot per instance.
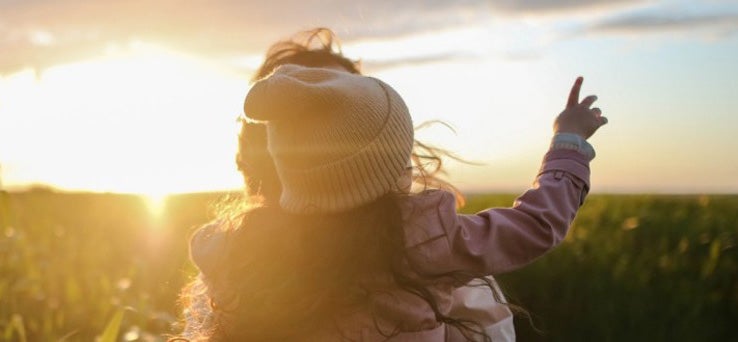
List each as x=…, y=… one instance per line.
x=146, y=120
x=156, y=203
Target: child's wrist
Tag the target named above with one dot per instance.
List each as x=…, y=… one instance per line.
x=572, y=141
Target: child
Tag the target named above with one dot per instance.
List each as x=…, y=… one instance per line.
x=351, y=255
x=320, y=48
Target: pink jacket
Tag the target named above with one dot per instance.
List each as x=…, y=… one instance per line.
x=438, y=241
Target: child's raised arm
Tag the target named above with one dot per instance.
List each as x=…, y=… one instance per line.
x=504, y=239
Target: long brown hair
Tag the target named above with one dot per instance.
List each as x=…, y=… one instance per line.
x=288, y=276
x=294, y=274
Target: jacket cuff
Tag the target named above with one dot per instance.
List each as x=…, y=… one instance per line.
x=571, y=141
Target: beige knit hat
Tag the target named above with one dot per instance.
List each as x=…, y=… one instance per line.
x=338, y=140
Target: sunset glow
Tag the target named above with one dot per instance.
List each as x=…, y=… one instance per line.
x=124, y=123
x=156, y=203
x=97, y=108
x=125, y=216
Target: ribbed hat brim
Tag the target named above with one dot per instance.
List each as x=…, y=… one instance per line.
x=353, y=181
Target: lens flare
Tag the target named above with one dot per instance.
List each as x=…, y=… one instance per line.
x=156, y=203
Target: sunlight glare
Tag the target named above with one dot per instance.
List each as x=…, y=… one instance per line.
x=156, y=203
x=140, y=120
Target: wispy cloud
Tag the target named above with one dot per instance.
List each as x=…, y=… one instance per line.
x=39, y=34
x=666, y=22
x=557, y=6
x=42, y=33
x=375, y=65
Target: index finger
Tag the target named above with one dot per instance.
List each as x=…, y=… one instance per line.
x=574, y=94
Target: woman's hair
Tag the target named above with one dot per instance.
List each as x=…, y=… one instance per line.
x=295, y=273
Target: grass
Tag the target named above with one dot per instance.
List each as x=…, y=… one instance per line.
x=77, y=267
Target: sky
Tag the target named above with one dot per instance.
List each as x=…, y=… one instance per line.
x=143, y=96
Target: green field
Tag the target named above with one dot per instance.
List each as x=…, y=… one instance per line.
x=641, y=267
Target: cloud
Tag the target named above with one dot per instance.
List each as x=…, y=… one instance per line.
x=39, y=34
x=665, y=23
x=43, y=33
x=557, y=6
x=714, y=22
x=374, y=65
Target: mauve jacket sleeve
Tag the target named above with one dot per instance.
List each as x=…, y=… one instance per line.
x=500, y=240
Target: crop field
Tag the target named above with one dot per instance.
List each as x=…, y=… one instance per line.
x=633, y=267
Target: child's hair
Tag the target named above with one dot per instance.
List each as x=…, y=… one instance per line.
x=290, y=275
x=293, y=273
x=314, y=48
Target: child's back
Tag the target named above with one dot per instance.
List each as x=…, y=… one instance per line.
x=349, y=255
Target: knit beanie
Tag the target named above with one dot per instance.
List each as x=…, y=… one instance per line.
x=338, y=140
